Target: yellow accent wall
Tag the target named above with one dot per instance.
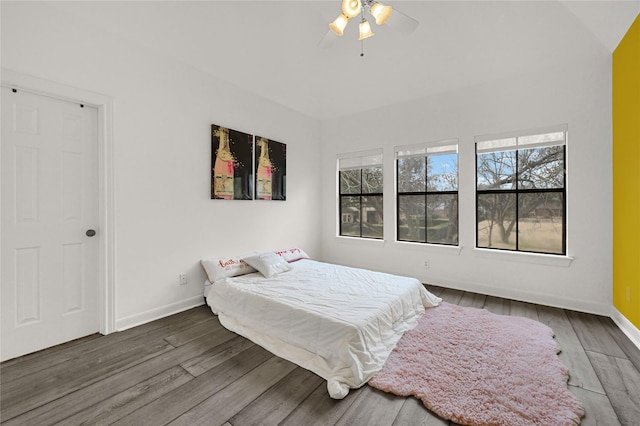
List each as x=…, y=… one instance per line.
x=626, y=175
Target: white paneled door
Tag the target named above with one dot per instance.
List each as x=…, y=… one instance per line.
x=49, y=159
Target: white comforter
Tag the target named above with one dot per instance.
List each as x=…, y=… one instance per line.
x=339, y=322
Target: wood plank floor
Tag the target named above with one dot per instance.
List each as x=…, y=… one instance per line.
x=188, y=370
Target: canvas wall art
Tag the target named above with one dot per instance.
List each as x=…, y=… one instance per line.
x=231, y=164
x=270, y=169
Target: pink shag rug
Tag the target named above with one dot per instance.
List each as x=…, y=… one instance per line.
x=478, y=368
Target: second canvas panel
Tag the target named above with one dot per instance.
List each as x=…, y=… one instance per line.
x=270, y=169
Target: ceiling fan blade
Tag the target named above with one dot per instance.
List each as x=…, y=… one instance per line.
x=328, y=40
x=402, y=23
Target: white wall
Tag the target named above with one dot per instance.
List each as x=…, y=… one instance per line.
x=574, y=93
x=165, y=220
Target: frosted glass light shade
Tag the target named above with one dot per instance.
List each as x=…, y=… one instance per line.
x=351, y=8
x=380, y=12
x=365, y=30
x=339, y=24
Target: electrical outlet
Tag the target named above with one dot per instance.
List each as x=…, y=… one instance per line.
x=427, y=264
x=183, y=279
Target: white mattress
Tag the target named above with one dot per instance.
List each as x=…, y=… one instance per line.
x=339, y=322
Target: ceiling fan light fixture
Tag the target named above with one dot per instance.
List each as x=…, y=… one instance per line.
x=351, y=8
x=381, y=12
x=365, y=30
x=378, y=11
x=339, y=24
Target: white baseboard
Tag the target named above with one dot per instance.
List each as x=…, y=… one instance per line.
x=157, y=313
x=604, y=309
x=523, y=296
x=626, y=326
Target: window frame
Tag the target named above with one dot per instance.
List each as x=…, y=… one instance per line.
x=424, y=150
x=359, y=161
x=516, y=191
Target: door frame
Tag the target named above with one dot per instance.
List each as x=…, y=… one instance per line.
x=106, y=187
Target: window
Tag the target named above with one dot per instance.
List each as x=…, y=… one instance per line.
x=360, y=189
x=427, y=191
x=520, y=191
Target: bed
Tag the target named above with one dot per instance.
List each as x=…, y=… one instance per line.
x=338, y=322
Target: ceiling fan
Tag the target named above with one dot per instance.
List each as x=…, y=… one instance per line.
x=382, y=14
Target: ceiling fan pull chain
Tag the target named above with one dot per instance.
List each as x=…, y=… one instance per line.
x=361, y=48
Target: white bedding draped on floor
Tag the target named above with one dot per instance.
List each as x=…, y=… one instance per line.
x=339, y=322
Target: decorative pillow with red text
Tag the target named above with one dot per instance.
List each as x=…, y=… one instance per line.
x=292, y=254
x=219, y=268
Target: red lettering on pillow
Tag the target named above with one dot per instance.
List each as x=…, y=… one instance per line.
x=227, y=263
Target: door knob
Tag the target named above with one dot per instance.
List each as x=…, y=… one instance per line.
x=90, y=232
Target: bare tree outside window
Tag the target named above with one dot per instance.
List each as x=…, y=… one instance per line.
x=521, y=196
x=427, y=191
x=361, y=202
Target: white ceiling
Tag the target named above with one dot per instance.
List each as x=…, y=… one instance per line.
x=270, y=48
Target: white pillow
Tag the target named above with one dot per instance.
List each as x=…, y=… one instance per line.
x=292, y=254
x=219, y=268
x=268, y=263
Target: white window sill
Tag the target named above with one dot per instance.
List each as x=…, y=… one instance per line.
x=359, y=240
x=535, y=258
x=439, y=248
